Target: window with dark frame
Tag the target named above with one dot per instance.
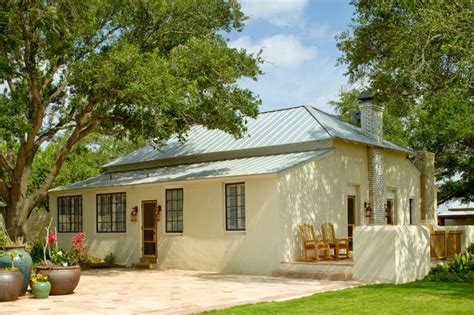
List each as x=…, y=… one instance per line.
x=70, y=214
x=174, y=210
x=235, y=206
x=111, y=213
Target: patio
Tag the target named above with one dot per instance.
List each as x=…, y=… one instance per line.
x=168, y=292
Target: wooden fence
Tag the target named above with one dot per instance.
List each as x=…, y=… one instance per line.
x=445, y=244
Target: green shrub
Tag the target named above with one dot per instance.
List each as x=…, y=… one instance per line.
x=470, y=249
x=441, y=273
x=110, y=258
x=35, y=249
x=461, y=269
x=462, y=263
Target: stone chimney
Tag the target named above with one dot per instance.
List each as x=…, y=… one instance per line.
x=425, y=161
x=372, y=126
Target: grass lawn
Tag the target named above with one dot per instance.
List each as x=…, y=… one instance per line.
x=412, y=298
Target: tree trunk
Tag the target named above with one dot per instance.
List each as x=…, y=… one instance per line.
x=16, y=220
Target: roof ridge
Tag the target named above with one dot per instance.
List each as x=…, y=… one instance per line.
x=281, y=109
x=308, y=108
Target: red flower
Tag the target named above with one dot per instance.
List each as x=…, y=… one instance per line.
x=52, y=238
x=77, y=242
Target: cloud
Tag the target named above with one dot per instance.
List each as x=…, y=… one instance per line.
x=279, y=50
x=277, y=12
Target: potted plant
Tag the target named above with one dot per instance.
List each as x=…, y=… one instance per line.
x=40, y=286
x=11, y=280
x=21, y=260
x=62, y=266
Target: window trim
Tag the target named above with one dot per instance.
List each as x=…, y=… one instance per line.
x=226, y=212
x=166, y=212
x=82, y=214
x=97, y=212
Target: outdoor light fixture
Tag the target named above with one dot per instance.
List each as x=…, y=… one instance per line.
x=368, y=209
x=134, y=214
x=157, y=213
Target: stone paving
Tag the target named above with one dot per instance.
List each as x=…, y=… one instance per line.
x=129, y=291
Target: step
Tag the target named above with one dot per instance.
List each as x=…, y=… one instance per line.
x=141, y=265
x=335, y=276
x=148, y=260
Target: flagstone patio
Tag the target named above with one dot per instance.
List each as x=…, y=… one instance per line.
x=168, y=292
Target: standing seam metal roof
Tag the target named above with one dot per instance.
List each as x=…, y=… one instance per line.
x=275, y=128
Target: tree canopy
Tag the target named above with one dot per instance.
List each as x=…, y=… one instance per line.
x=71, y=68
x=418, y=58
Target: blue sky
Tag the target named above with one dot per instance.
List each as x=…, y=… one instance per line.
x=297, y=38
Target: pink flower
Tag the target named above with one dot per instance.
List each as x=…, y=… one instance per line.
x=52, y=238
x=78, y=245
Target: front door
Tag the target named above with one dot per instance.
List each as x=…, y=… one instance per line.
x=350, y=218
x=149, y=229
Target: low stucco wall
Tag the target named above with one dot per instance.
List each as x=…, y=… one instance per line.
x=391, y=254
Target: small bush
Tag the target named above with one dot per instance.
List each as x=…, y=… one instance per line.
x=461, y=269
x=470, y=249
x=35, y=249
x=110, y=258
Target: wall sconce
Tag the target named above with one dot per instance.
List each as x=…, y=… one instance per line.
x=157, y=213
x=368, y=209
x=134, y=214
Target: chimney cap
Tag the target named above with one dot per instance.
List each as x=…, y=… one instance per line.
x=366, y=96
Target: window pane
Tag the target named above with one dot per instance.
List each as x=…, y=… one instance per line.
x=111, y=212
x=70, y=214
x=235, y=206
x=174, y=210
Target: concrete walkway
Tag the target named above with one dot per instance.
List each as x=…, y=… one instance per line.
x=129, y=291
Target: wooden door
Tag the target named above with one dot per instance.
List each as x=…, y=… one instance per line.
x=149, y=238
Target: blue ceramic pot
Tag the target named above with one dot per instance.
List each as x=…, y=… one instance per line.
x=22, y=262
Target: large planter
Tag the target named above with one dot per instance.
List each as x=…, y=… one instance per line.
x=11, y=284
x=41, y=290
x=63, y=279
x=22, y=262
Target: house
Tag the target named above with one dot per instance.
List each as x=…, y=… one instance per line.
x=456, y=214
x=221, y=204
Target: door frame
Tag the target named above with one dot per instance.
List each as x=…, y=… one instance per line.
x=142, y=230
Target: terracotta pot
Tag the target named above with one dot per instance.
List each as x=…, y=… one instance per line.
x=11, y=284
x=63, y=279
x=22, y=262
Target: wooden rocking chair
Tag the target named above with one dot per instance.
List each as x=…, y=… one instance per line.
x=329, y=237
x=310, y=242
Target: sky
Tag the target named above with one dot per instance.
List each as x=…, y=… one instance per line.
x=299, y=48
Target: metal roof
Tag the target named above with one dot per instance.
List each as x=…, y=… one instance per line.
x=270, y=129
x=226, y=168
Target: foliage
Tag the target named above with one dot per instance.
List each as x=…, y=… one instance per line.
x=413, y=298
x=470, y=249
x=39, y=277
x=417, y=57
x=5, y=239
x=35, y=249
x=460, y=269
x=125, y=69
x=110, y=258
x=12, y=256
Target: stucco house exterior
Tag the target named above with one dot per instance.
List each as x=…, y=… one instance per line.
x=233, y=205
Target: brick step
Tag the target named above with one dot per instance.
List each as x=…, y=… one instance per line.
x=148, y=260
x=336, y=276
x=141, y=265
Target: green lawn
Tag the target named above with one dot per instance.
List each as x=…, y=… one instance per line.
x=413, y=298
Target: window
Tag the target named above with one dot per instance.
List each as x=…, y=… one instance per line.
x=235, y=207
x=174, y=210
x=111, y=212
x=70, y=214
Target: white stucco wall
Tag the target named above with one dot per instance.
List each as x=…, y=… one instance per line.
x=391, y=254
x=204, y=243
x=316, y=192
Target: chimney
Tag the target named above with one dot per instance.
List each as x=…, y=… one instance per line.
x=425, y=161
x=372, y=127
